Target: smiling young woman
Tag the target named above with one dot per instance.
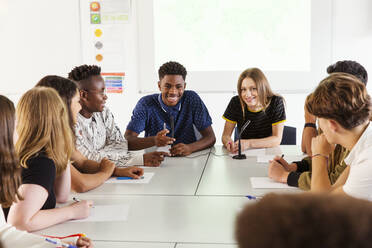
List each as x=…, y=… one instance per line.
x=257, y=103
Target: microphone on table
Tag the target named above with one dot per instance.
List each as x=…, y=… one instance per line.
x=240, y=155
x=172, y=125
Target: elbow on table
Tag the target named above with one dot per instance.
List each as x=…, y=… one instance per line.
x=21, y=224
x=80, y=187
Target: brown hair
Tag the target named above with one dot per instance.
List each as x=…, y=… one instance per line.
x=66, y=89
x=10, y=178
x=43, y=127
x=343, y=98
x=305, y=220
x=263, y=87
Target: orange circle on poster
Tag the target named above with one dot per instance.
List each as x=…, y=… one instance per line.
x=98, y=32
x=94, y=6
x=99, y=57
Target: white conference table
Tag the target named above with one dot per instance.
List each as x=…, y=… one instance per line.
x=102, y=244
x=190, y=202
x=162, y=219
x=175, y=176
x=225, y=176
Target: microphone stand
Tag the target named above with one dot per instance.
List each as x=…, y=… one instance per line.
x=240, y=155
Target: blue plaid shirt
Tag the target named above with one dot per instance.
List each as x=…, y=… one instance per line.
x=151, y=113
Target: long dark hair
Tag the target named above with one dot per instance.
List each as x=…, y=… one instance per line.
x=10, y=171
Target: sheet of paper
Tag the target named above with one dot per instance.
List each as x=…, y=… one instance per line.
x=147, y=177
x=252, y=152
x=267, y=183
x=100, y=213
x=163, y=148
x=264, y=158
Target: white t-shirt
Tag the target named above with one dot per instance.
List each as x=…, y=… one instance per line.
x=359, y=181
x=99, y=137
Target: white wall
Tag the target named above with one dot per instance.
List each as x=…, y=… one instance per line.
x=41, y=37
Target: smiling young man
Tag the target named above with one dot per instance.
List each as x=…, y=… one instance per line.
x=155, y=114
x=97, y=135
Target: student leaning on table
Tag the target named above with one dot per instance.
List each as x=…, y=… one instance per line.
x=44, y=147
x=154, y=113
x=97, y=135
x=258, y=104
x=298, y=173
x=345, y=122
x=10, y=180
x=88, y=174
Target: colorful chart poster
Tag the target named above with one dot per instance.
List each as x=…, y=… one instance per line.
x=114, y=81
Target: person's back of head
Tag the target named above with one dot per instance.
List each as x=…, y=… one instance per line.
x=341, y=97
x=10, y=170
x=305, y=220
x=43, y=127
x=350, y=67
x=66, y=89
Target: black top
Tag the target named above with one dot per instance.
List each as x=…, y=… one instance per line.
x=41, y=171
x=261, y=121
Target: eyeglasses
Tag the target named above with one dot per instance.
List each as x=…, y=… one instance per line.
x=100, y=92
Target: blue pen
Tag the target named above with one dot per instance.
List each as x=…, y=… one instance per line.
x=58, y=242
x=251, y=197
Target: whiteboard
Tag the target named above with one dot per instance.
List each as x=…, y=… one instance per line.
x=38, y=38
x=291, y=79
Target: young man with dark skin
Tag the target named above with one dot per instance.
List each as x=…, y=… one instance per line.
x=155, y=114
x=85, y=174
x=97, y=135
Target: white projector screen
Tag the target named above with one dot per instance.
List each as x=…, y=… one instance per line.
x=290, y=40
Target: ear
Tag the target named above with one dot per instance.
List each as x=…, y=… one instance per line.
x=184, y=87
x=83, y=95
x=159, y=85
x=333, y=125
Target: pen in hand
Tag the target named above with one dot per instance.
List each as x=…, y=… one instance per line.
x=78, y=200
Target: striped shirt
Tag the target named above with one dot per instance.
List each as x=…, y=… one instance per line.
x=99, y=137
x=261, y=121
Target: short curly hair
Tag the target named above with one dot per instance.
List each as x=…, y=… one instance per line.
x=172, y=68
x=305, y=220
x=350, y=67
x=341, y=97
x=81, y=74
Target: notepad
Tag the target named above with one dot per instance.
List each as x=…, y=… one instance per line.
x=267, y=183
x=147, y=177
x=100, y=213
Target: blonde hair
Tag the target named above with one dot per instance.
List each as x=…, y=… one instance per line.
x=43, y=127
x=263, y=87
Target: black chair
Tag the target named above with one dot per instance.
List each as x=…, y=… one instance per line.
x=289, y=136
